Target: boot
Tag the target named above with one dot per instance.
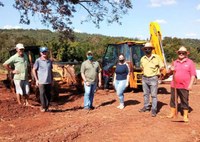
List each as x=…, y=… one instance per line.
x=172, y=113
x=185, y=116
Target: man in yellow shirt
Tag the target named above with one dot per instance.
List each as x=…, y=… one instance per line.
x=151, y=65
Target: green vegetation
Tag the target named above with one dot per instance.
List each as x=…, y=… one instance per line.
x=65, y=50
x=171, y=45
x=197, y=66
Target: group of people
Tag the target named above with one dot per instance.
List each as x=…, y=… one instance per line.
x=18, y=65
x=183, y=71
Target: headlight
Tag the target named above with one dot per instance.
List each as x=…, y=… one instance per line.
x=139, y=76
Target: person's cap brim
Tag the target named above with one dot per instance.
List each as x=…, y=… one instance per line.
x=89, y=52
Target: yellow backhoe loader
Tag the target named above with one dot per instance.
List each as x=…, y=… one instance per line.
x=133, y=53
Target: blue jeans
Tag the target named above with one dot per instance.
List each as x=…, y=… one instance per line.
x=89, y=95
x=150, y=86
x=120, y=86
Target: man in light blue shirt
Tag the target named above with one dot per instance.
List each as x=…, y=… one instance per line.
x=42, y=71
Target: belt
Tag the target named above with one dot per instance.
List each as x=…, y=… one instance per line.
x=149, y=76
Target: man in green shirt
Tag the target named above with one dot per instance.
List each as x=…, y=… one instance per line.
x=151, y=65
x=20, y=63
x=91, y=74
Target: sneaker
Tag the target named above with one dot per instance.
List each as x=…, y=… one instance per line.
x=153, y=113
x=144, y=109
x=120, y=106
x=42, y=110
x=47, y=110
x=92, y=107
x=87, y=108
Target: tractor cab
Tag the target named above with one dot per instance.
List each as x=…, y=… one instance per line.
x=132, y=51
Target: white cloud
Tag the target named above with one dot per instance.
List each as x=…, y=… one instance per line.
x=191, y=35
x=161, y=21
x=12, y=27
x=77, y=30
x=198, y=20
x=139, y=36
x=198, y=7
x=159, y=3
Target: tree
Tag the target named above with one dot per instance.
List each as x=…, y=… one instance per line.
x=58, y=13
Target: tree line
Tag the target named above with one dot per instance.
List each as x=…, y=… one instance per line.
x=67, y=50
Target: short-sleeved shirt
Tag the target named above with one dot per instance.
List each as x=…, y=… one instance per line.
x=90, y=70
x=20, y=64
x=121, y=71
x=44, y=70
x=151, y=66
x=183, y=73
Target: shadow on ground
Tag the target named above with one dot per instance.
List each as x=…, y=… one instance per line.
x=162, y=90
x=107, y=103
x=160, y=105
x=131, y=102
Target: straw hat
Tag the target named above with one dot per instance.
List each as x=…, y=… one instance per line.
x=182, y=49
x=148, y=45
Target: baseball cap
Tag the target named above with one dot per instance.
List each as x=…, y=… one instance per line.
x=43, y=49
x=89, y=52
x=19, y=46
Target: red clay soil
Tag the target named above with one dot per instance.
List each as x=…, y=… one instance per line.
x=67, y=120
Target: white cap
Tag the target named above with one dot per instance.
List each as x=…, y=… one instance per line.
x=19, y=46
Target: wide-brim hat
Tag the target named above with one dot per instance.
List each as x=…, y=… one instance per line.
x=182, y=49
x=148, y=45
x=19, y=46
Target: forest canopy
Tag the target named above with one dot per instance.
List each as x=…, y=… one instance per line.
x=75, y=50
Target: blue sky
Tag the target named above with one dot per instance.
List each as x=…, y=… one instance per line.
x=177, y=18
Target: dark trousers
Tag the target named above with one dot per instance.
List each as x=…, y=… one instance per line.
x=106, y=82
x=183, y=94
x=45, y=95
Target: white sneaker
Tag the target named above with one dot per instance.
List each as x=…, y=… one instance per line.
x=121, y=106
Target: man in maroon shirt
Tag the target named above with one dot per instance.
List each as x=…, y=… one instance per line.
x=184, y=72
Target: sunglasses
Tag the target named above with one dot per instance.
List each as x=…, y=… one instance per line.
x=44, y=52
x=147, y=49
x=182, y=53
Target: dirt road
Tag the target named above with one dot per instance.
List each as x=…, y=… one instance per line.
x=67, y=120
